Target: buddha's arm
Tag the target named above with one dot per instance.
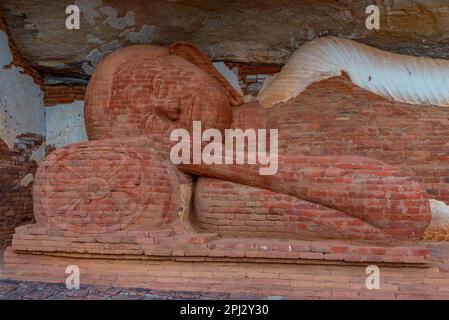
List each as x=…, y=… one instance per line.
x=366, y=188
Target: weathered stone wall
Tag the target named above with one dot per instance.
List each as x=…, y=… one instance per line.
x=249, y=31
x=16, y=172
x=22, y=128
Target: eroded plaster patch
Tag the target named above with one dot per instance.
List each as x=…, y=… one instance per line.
x=145, y=35
x=88, y=68
x=21, y=99
x=116, y=22
x=94, y=39
x=125, y=24
x=65, y=124
x=5, y=53
x=87, y=7
x=94, y=57
x=111, y=46
x=440, y=213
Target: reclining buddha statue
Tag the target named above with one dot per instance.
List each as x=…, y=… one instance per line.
x=362, y=147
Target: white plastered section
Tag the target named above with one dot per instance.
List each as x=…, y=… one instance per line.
x=413, y=80
x=65, y=124
x=21, y=99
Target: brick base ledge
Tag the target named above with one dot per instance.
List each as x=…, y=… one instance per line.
x=290, y=281
x=167, y=245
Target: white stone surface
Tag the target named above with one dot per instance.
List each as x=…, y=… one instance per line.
x=440, y=213
x=5, y=53
x=25, y=182
x=229, y=75
x=65, y=124
x=39, y=154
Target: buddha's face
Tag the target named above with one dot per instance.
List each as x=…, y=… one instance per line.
x=153, y=97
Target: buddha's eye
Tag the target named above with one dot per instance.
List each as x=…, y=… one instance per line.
x=187, y=102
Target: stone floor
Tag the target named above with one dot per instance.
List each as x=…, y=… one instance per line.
x=16, y=290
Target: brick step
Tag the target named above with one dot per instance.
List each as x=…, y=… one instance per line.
x=123, y=245
x=290, y=281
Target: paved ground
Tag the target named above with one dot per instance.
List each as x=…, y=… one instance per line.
x=15, y=290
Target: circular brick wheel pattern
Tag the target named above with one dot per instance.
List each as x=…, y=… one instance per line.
x=100, y=189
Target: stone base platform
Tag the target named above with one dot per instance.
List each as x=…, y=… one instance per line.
x=208, y=263
x=169, y=245
x=167, y=260
x=239, y=279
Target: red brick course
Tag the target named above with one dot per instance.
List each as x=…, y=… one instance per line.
x=104, y=186
x=205, y=247
x=63, y=94
x=232, y=209
x=287, y=280
x=15, y=200
x=367, y=189
x=334, y=117
x=16, y=205
x=142, y=93
x=252, y=77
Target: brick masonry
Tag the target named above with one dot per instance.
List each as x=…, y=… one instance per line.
x=199, y=59
x=335, y=117
x=252, y=77
x=232, y=209
x=172, y=245
x=16, y=207
x=63, y=94
x=240, y=279
x=103, y=186
x=131, y=94
x=168, y=92
x=329, y=183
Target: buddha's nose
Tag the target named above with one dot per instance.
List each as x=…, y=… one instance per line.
x=171, y=109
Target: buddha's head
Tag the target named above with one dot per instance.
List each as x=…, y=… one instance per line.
x=147, y=90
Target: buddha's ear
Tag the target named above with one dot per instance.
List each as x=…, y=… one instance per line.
x=198, y=58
